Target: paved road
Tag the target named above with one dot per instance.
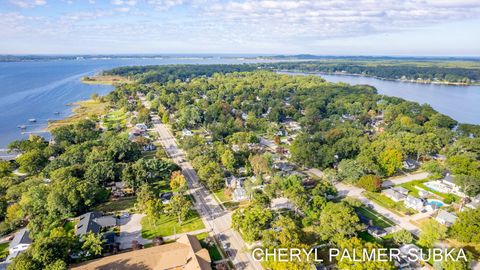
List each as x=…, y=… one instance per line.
x=404, y=179
x=213, y=215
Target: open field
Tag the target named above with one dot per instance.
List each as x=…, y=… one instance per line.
x=105, y=79
x=83, y=110
x=167, y=225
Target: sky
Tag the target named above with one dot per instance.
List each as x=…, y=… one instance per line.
x=322, y=27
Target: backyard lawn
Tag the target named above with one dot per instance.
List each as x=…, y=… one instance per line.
x=377, y=219
x=447, y=198
x=397, y=207
x=167, y=225
x=118, y=205
x=115, y=117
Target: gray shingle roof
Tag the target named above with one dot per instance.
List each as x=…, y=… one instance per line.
x=446, y=216
x=94, y=222
x=21, y=237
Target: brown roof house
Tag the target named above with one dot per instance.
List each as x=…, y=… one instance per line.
x=186, y=253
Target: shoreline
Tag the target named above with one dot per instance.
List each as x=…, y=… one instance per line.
x=379, y=78
x=83, y=109
x=105, y=80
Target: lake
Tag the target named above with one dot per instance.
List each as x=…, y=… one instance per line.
x=462, y=103
x=43, y=89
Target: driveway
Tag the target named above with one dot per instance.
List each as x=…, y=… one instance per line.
x=130, y=230
x=404, y=179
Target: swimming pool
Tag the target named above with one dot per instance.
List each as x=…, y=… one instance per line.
x=435, y=202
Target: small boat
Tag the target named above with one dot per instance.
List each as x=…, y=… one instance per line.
x=32, y=120
x=22, y=127
x=56, y=113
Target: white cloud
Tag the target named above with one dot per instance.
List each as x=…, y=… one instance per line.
x=28, y=3
x=336, y=18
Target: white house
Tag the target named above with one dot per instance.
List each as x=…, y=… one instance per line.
x=414, y=203
x=445, y=218
x=19, y=244
x=394, y=195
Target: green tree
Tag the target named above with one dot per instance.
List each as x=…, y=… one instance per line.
x=100, y=173
x=144, y=195
x=178, y=182
x=57, y=265
x=349, y=171
x=390, y=161
x=260, y=164
x=434, y=167
x=459, y=264
x=251, y=221
x=469, y=184
x=228, y=160
x=337, y=221
x=32, y=162
x=356, y=246
x=24, y=261
x=92, y=244
x=211, y=174
x=466, y=228
x=402, y=237
x=179, y=207
x=5, y=168
x=432, y=231
x=370, y=182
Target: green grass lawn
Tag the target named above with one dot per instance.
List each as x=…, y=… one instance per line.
x=367, y=237
x=4, y=250
x=377, y=218
x=115, y=206
x=115, y=117
x=222, y=196
x=167, y=226
x=397, y=207
x=447, y=198
x=213, y=251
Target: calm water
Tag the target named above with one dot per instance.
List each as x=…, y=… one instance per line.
x=462, y=103
x=42, y=89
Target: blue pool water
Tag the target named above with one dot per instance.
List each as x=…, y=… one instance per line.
x=435, y=202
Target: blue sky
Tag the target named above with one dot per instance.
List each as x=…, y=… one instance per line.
x=331, y=27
